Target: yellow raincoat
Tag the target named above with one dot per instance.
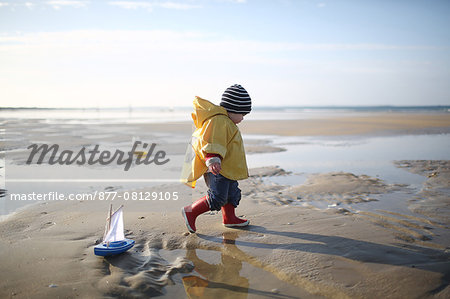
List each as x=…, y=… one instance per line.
x=215, y=134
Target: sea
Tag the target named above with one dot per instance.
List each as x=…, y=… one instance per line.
x=179, y=114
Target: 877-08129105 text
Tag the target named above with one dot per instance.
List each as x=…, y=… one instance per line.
x=97, y=195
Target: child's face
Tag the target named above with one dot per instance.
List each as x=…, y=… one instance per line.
x=236, y=117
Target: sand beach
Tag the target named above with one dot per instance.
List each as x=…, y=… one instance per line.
x=343, y=206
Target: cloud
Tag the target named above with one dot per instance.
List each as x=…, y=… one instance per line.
x=118, y=65
x=190, y=41
x=57, y=4
x=151, y=5
x=174, y=5
x=235, y=1
x=132, y=4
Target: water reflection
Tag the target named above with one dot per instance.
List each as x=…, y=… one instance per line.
x=223, y=280
x=217, y=280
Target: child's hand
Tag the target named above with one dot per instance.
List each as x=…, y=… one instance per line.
x=215, y=168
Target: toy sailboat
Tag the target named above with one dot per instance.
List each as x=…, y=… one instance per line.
x=114, y=241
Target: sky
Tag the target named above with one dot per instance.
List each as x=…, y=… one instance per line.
x=65, y=53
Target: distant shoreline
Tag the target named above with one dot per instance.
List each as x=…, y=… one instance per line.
x=381, y=108
x=434, y=116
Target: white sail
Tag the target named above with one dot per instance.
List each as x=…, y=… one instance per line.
x=115, y=232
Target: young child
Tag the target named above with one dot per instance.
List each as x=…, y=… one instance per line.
x=219, y=156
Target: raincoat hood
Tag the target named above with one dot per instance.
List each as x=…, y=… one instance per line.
x=204, y=110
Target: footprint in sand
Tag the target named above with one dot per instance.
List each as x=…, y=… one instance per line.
x=48, y=224
x=140, y=273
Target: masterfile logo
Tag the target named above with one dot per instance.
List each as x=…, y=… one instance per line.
x=95, y=156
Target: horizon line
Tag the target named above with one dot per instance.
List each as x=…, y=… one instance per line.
x=253, y=108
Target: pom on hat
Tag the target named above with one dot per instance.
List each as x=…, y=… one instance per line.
x=236, y=99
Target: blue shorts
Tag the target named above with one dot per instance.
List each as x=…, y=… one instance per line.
x=221, y=191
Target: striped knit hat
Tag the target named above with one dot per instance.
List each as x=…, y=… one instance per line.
x=236, y=99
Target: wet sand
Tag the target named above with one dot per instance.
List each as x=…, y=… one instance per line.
x=373, y=124
x=290, y=250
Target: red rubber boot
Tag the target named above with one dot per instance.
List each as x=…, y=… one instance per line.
x=191, y=212
x=230, y=219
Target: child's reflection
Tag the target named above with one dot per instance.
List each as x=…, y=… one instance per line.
x=218, y=280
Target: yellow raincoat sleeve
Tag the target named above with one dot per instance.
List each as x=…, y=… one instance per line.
x=214, y=137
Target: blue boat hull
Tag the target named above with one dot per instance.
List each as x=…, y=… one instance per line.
x=113, y=248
